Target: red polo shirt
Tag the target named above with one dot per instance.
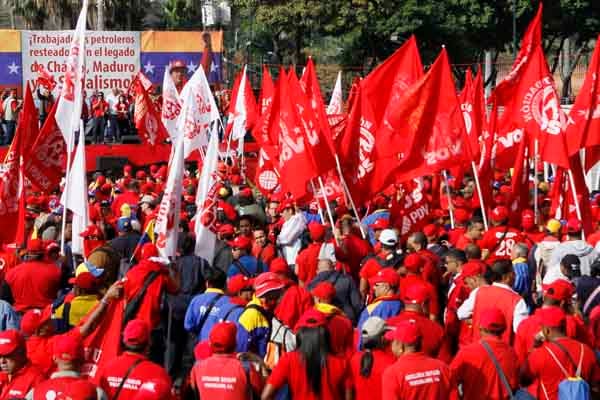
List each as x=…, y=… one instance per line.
x=369, y=388
x=291, y=370
x=412, y=279
x=294, y=302
x=306, y=261
x=498, y=244
x=34, y=284
x=18, y=385
x=415, y=376
x=223, y=377
x=473, y=368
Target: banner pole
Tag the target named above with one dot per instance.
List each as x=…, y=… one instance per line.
x=349, y=195
x=536, y=145
x=66, y=192
x=450, y=206
x=576, y=200
x=481, y=203
x=328, y=207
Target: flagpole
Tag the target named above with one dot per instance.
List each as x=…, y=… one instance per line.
x=314, y=189
x=450, y=208
x=349, y=195
x=66, y=192
x=481, y=203
x=576, y=200
x=536, y=145
x=328, y=207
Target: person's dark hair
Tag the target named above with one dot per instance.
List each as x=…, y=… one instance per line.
x=595, y=268
x=420, y=239
x=367, y=359
x=140, y=348
x=499, y=269
x=474, y=220
x=472, y=252
x=133, y=185
x=313, y=346
x=188, y=245
x=216, y=278
x=457, y=254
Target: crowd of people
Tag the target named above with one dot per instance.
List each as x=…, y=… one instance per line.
x=293, y=307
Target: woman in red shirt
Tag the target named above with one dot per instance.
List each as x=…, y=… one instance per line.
x=311, y=371
x=122, y=108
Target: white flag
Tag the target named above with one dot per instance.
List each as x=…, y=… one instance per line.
x=166, y=226
x=198, y=113
x=76, y=198
x=206, y=203
x=238, y=131
x=171, y=107
x=336, y=105
x=68, y=110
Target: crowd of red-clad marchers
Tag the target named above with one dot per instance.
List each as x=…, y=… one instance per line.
x=290, y=307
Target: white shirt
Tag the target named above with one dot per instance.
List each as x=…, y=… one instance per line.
x=289, y=237
x=465, y=311
x=112, y=101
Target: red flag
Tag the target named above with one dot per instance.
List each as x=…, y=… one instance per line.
x=11, y=173
x=520, y=181
x=45, y=168
x=426, y=131
x=147, y=117
x=104, y=343
x=584, y=121
x=242, y=107
x=472, y=104
x=530, y=101
x=375, y=96
x=261, y=128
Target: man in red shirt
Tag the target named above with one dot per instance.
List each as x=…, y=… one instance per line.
x=415, y=375
x=223, y=366
x=417, y=243
x=385, y=258
x=295, y=300
x=34, y=283
x=412, y=266
x=558, y=358
x=474, y=370
x=18, y=376
x=306, y=262
x=461, y=218
x=473, y=233
x=99, y=109
x=131, y=369
x=499, y=240
x=262, y=248
x=531, y=232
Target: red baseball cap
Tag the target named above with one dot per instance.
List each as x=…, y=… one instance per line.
x=85, y=281
x=149, y=250
x=136, y=333
x=279, y=265
x=324, y=290
x=499, y=214
x=416, y=293
x=316, y=231
x=34, y=319
x=380, y=224
x=177, y=64
x=405, y=332
x=574, y=225
x=386, y=275
x=492, y=319
x=67, y=348
x=559, y=290
x=202, y=350
x=223, y=336
x=10, y=341
x=312, y=319
x=246, y=193
x=267, y=282
x=461, y=215
x=226, y=229
x=285, y=204
x=471, y=269
x=430, y=230
x=140, y=175
x=527, y=219
x=552, y=316
x=238, y=282
x=35, y=246
x=91, y=230
x=413, y=262
x=240, y=242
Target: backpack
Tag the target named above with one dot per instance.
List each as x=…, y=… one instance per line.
x=572, y=387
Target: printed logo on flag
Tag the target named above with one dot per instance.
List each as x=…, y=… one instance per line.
x=540, y=103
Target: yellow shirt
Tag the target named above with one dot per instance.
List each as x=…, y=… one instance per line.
x=80, y=306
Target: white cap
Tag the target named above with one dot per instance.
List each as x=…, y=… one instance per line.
x=327, y=252
x=388, y=237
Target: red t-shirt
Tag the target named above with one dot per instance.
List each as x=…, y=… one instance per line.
x=463, y=241
x=99, y=107
x=265, y=254
x=223, y=377
x=18, y=385
x=369, y=388
x=473, y=368
x=411, y=279
x=498, y=244
x=111, y=375
x=542, y=368
x=34, y=284
x=416, y=376
x=306, y=261
x=455, y=234
x=291, y=370
x=294, y=302
x=67, y=387
x=341, y=332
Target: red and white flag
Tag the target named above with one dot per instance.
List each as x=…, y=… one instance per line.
x=146, y=117
x=472, y=104
x=198, y=113
x=68, y=111
x=336, y=103
x=166, y=227
x=261, y=132
x=171, y=106
x=267, y=176
x=242, y=109
x=424, y=133
x=205, y=227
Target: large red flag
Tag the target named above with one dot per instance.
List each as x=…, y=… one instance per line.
x=374, y=97
x=147, y=117
x=45, y=168
x=530, y=101
x=472, y=104
x=425, y=133
x=11, y=172
x=242, y=107
x=261, y=132
x=584, y=121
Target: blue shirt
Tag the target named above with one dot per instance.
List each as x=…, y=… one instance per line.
x=9, y=319
x=383, y=309
x=198, y=307
x=250, y=264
